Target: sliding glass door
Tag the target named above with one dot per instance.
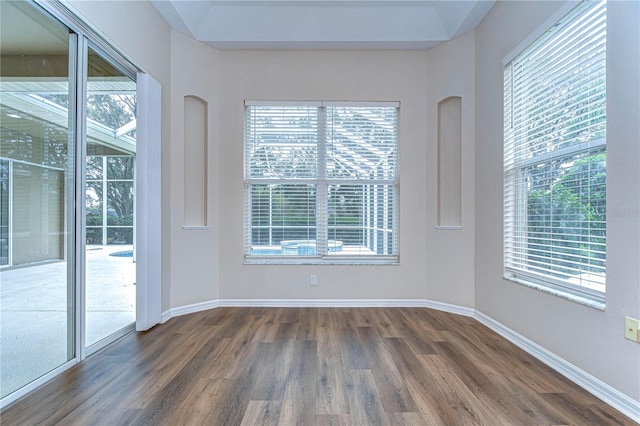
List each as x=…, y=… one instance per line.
x=67, y=197
x=110, y=200
x=37, y=151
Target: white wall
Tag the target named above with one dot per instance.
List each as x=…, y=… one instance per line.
x=450, y=271
x=194, y=252
x=589, y=338
x=348, y=75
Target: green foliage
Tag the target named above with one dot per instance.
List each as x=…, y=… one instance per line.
x=120, y=189
x=94, y=235
x=566, y=220
x=120, y=221
x=94, y=219
x=113, y=111
x=119, y=235
x=119, y=197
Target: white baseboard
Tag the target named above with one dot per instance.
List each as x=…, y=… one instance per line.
x=312, y=303
x=189, y=309
x=447, y=307
x=325, y=303
x=595, y=386
x=598, y=388
x=317, y=303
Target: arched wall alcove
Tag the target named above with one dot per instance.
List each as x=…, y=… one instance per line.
x=450, y=163
x=195, y=161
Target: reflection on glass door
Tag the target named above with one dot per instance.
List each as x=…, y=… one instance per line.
x=4, y=212
x=36, y=196
x=110, y=201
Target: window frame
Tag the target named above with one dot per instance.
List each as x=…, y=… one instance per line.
x=517, y=165
x=322, y=182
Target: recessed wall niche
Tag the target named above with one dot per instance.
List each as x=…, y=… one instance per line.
x=195, y=162
x=450, y=163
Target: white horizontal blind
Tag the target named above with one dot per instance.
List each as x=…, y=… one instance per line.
x=361, y=156
x=555, y=156
x=281, y=214
x=361, y=143
x=321, y=180
x=281, y=142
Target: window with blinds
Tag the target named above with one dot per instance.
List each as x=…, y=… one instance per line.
x=321, y=181
x=555, y=157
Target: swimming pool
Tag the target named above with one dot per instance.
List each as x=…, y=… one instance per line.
x=126, y=253
x=295, y=248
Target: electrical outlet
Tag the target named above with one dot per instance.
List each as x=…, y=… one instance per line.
x=632, y=329
x=313, y=280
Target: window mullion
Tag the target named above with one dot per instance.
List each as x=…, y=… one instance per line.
x=322, y=190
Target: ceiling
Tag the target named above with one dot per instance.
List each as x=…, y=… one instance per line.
x=323, y=24
x=25, y=30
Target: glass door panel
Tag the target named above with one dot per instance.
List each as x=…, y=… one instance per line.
x=36, y=196
x=110, y=201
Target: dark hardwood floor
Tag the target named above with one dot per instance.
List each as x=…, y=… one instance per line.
x=325, y=366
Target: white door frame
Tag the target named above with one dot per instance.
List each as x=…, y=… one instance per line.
x=148, y=217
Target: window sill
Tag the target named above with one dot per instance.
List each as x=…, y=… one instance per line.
x=195, y=227
x=565, y=294
x=329, y=260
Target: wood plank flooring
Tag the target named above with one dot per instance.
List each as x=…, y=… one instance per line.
x=304, y=366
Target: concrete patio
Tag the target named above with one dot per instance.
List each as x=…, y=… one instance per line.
x=35, y=306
